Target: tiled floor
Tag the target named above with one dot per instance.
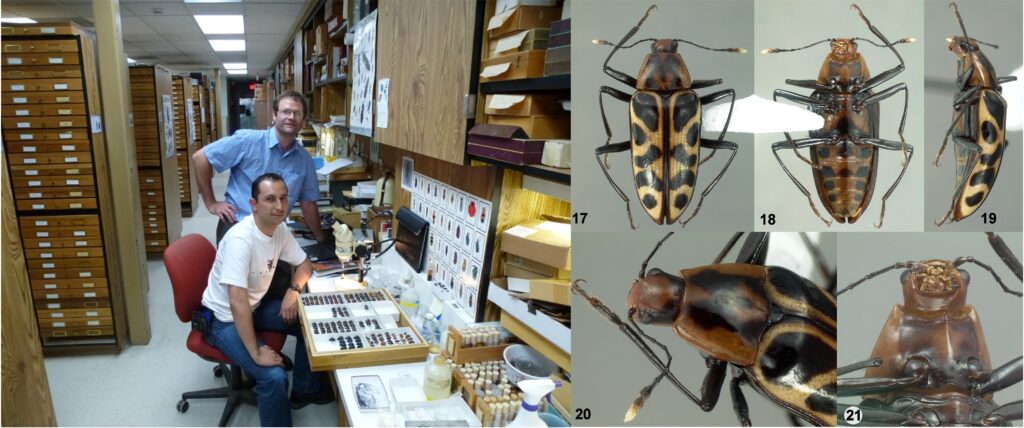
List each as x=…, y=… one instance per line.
x=141, y=385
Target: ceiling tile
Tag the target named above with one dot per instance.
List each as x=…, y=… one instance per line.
x=166, y=8
x=158, y=47
x=193, y=47
x=150, y=37
x=216, y=8
x=264, y=24
x=172, y=24
x=131, y=26
x=38, y=11
x=269, y=37
x=185, y=37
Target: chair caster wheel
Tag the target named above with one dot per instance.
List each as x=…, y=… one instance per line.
x=218, y=371
x=182, y=406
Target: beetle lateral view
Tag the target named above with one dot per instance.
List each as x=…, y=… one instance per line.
x=979, y=124
x=665, y=123
x=775, y=328
x=930, y=365
x=844, y=154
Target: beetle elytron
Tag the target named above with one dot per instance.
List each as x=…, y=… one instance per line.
x=775, y=328
x=844, y=154
x=978, y=127
x=665, y=121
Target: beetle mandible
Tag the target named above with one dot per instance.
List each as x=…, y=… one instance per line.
x=844, y=154
x=774, y=327
x=931, y=365
x=665, y=122
x=979, y=125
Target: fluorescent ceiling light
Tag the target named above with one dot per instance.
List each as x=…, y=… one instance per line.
x=17, y=20
x=213, y=1
x=228, y=45
x=235, y=66
x=130, y=61
x=243, y=71
x=221, y=24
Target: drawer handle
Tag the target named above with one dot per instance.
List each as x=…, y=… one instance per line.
x=12, y=48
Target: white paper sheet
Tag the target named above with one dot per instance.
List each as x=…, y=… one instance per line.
x=511, y=42
x=499, y=19
x=501, y=102
x=382, y=102
x=495, y=70
x=334, y=165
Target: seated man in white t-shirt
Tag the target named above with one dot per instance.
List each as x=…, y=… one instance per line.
x=241, y=275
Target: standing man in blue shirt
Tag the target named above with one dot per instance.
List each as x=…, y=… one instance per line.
x=251, y=153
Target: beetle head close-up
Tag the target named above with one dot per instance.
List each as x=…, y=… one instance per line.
x=655, y=297
x=843, y=50
x=935, y=285
x=961, y=46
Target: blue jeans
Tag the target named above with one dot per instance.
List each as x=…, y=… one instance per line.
x=271, y=382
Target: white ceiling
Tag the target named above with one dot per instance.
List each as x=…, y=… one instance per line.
x=164, y=32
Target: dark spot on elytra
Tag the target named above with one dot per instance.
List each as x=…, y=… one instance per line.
x=995, y=105
x=989, y=131
x=684, y=109
x=650, y=201
x=990, y=160
x=822, y=400
x=984, y=176
x=645, y=107
x=797, y=356
x=693, y=136
x=828, y=172
x=975, y=199
x=679, y=154
x=639, y=135
x=829, y=184
x=863, y=171
x=652, y=155
x=682, y=178
x=795, y=287
x=646, y=178
x=681, y=201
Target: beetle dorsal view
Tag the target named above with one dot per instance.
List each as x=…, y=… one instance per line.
x=978, y=128
x=844, y=154
x=775, y=328
x=665, y=121
x=930, y=364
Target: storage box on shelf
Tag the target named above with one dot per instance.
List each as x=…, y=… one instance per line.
x=55, y=148
x=184, y=143
x=558, y=58
x=158, y=173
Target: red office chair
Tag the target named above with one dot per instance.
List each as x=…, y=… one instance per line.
x=188, y=261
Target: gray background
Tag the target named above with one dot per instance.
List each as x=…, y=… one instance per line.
x=996, y=22
x=609, y=371
x=710, y=23
x=791, y=24
x=863, y=310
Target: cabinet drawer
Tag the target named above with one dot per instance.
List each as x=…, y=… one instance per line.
x=76, y=322
x=55, y=193
x=45, y=110
x=31, y=171
x=60, y=221
x=62, y=243
x=97, y=285
x=50, y=314
x=71, y=273
x=62, y=253
x=37, y=46
x=32, y=146
x=45, y=122
x=64, y=181
x=42, y=265
x=46, y=135
x=42, y=72
x=60, y=232
x=57, y=204
x=50, y=158
x=43, y=85
x=75, y=333
x=37, y=30
x=51, y=97
x=51, y=58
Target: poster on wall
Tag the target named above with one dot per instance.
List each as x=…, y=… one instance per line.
x=169, y=150
x=364, y=70
x=191, y=121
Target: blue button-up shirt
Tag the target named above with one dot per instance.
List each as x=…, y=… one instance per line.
x=251, y=153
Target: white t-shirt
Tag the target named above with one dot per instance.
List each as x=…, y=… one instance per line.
x=247, y=258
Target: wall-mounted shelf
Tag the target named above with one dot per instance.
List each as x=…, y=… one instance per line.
x=555, y=174
x=330, y=81
x=559, y=82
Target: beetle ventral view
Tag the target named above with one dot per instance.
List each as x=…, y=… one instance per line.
x=664, y=127
x=844, y=154
x=771, y=329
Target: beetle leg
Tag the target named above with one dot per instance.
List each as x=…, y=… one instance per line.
x=998, y=379
x=728, y=247
x=874, y=362
x=800, y=99
x=975, y=151
x=715, y=145
x=886, y=93
x=699, y=83
x=963, y=98
x=619, y=95
x=754, y=249
x=1005, y=254
x=821, y=263
x=897, y=265
x=710, y=98
x=968, y=259
x=965, y=77
x=887, y=74
x=876, y=385
x=739, y=403
x=615, y=148
x=1002, y=415
x=786, y=144
x=890, y=145
x=809, y=84
x=1005, y=79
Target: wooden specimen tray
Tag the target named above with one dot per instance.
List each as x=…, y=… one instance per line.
x=319, y=360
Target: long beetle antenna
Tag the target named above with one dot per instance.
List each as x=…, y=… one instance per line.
x=734, y=50
x=903, y=40
x=968, y=259
x=643, y=266
x=897, y=265
x=779, y=50
x=728, y=247
x=960, y=20
x=607, y=43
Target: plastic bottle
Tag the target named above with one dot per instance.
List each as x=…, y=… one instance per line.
x=431, y=327
x=535, y=391
x=437, y=376
x=410, y=301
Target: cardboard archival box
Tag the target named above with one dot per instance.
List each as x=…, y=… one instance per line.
x=524, y=105
x=548, y=290
x=522, y=18
x=521, y=263
x=540, y=240
x=519, y=65
x=526, y=40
